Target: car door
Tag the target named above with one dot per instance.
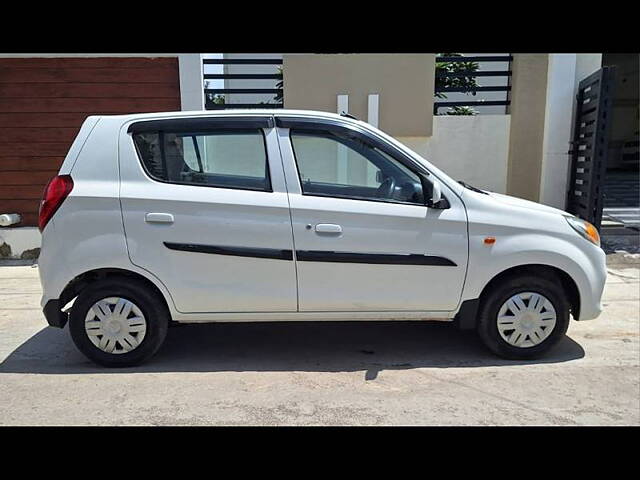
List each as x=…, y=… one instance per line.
x=364, y=238
x=205, y=210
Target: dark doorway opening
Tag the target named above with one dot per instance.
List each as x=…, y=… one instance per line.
x=621, y=188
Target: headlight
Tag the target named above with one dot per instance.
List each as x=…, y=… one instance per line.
x=585, y=229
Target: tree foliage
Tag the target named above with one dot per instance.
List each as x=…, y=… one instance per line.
x=216, y=99
x=279, y=97
x=466, y=82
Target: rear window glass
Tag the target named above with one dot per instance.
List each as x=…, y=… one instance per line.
x=226, y=158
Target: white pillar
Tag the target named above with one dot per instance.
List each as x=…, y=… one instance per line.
x=557, y=129
x=342, y=104
x=191, y=81
x=372, y=109
x=564, y=74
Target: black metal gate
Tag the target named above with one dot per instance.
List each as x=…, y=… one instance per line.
x=590, y=145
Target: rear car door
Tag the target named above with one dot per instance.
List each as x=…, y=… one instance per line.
x=365, y=239
x=205, y=210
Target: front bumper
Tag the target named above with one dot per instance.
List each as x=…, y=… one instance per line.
x=55, y=317
x=591, y=312
x=591, y=293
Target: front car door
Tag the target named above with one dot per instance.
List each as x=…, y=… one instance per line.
x=364, y=238
x=205, y=210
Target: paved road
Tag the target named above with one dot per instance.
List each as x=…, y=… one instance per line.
x=321, y=374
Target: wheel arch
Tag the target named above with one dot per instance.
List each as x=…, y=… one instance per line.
x=83, y=280
x=466, y=318
x=554, y=273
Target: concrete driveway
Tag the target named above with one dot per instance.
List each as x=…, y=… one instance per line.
x=322, y=374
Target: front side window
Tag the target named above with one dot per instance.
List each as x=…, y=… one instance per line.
x=224, y=158
x=342, y=165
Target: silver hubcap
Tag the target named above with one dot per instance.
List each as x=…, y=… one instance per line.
x=115, y=325
x=526, y=319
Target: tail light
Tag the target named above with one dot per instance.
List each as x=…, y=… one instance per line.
x=58, y=188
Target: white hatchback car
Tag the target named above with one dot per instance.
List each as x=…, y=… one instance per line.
x=280, y=215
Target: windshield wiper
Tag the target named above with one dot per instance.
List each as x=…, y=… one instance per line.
x=471, y=187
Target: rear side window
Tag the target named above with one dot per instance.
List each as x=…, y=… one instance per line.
x=223, y=158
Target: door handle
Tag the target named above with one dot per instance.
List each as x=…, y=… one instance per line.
x=158, y=218
x=328, y=228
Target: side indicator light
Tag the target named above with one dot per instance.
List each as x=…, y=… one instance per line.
x=489, y=240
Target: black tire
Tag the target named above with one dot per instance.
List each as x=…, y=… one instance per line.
x=147, y=300
x=492, y=301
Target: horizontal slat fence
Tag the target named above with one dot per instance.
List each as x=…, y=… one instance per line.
x=471, y=102
x=211, y=93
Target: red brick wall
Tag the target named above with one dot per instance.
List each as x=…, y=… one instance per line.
x=43, y=102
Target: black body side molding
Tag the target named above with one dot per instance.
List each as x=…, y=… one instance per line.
x=273, y=253
x=372, y=258
x=315, y=255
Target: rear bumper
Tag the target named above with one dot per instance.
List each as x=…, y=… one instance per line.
x=55, y=317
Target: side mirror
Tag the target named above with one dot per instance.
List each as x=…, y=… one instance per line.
x=436, y=193
x=437, y=200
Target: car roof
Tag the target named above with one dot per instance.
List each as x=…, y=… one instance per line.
x=229, y=112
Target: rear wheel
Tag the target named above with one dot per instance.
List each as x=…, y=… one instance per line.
x=524, y=316
x=118, y=322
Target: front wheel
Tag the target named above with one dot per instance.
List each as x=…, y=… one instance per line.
x=523, y=316
x=118, y=322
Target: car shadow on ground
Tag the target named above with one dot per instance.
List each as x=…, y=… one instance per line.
x=310, y=346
